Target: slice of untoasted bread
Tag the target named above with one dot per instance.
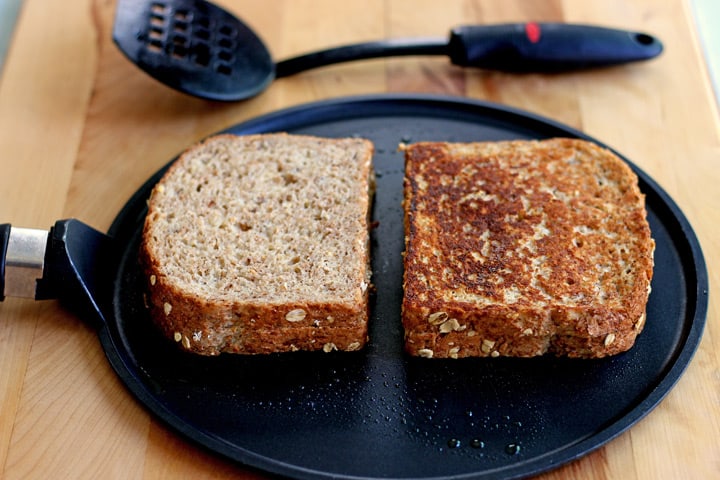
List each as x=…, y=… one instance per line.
x=519, y=248
x=260, y=244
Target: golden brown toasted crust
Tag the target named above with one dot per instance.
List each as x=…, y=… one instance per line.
x=520, y=248
x=260, y=244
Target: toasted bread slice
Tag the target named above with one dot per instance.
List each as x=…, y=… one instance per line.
x=260, y=244
x=519, y=248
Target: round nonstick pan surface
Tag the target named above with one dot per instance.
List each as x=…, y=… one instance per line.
x=378, y=413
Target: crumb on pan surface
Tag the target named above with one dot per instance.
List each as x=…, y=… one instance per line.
x=521, y=248
x=260, y=243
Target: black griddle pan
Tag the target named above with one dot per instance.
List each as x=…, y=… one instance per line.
x=378, y=413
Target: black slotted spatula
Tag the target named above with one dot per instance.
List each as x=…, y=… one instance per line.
x=201, y=49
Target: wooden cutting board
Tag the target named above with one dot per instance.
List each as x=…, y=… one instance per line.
x=81, y=129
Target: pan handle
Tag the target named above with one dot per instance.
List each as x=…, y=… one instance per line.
x=72, y=262
x=4, y=239
x=22, y=260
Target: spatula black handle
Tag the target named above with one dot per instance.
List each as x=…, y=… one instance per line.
x=512, y=47
x=362, y=51
x=548, y=47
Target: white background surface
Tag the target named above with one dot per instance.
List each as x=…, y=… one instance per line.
x=707, y=17
x=8, y=13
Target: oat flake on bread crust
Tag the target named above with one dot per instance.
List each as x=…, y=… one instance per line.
x=521, y=248
x=260, y=244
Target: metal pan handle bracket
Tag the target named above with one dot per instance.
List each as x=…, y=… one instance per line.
x=23, y=260
x=72, y=262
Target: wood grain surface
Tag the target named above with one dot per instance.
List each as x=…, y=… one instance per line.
x=81, y=129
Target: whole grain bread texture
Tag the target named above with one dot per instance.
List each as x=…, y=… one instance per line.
x=260, y=244
x=520, y=248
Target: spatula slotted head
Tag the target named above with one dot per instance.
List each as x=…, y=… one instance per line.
x=193, y=46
